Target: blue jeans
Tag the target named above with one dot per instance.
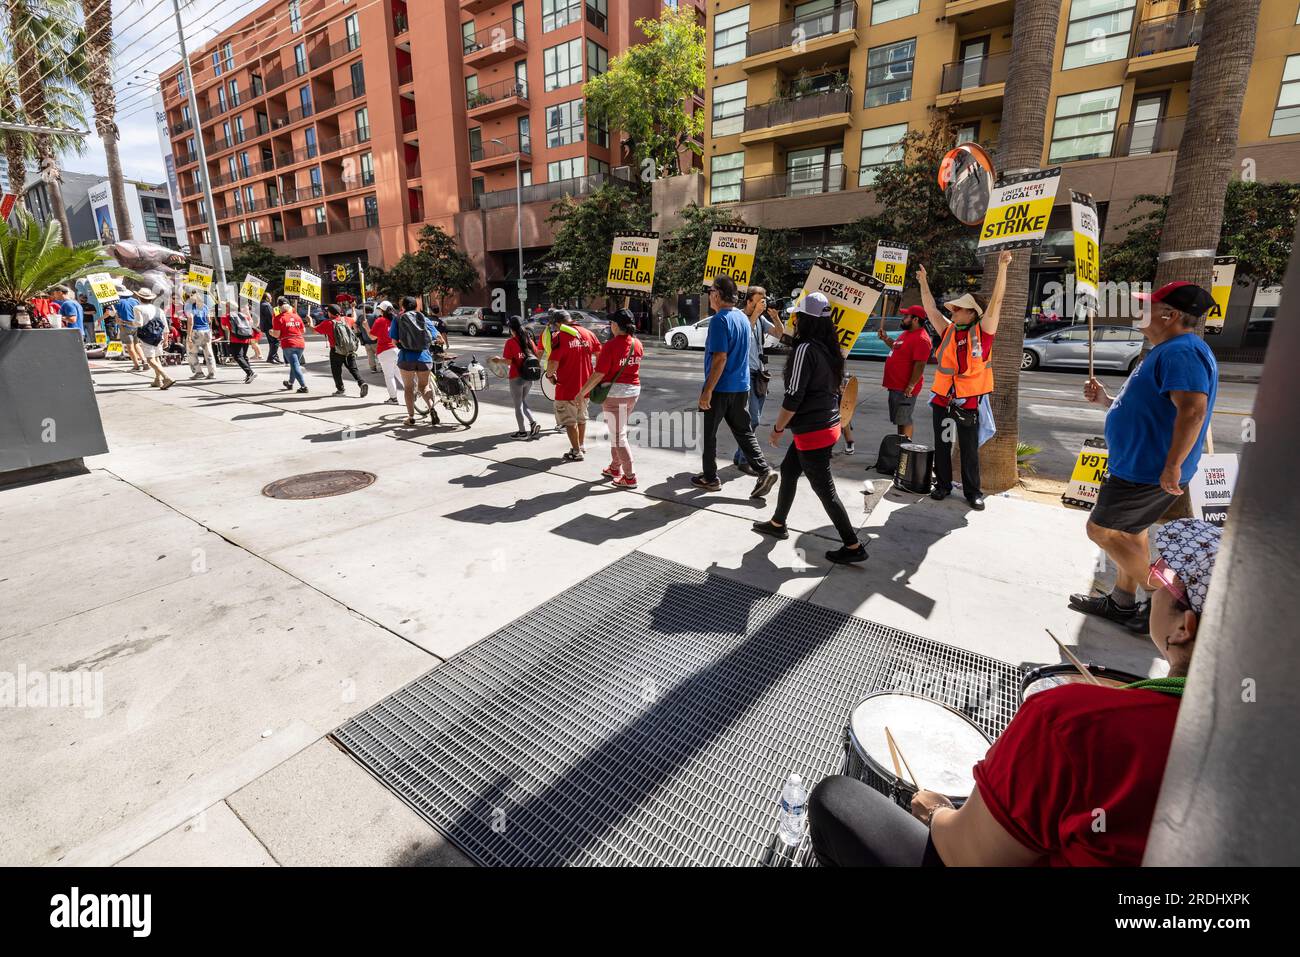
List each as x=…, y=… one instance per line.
x=755, y=413
x=295, y=366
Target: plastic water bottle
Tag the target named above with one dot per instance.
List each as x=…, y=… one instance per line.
x=794, y=810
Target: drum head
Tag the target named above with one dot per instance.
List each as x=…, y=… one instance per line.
x=1054, y=676
x=941, y=746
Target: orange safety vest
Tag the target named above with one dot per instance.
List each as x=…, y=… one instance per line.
x=978, y=377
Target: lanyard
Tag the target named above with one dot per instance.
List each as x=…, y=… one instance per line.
x=1169, y=686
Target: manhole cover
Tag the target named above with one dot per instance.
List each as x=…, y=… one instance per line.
x=319, y=484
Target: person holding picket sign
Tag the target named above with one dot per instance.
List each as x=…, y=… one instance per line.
x=242, y=333
x=964, y=378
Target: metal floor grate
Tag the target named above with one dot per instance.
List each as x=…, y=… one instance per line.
x=648, y=715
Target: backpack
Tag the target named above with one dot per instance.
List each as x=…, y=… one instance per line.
x=889, y=454
x=412, y=334
x=241, y=327
x=530, y=369
x=152, y=332
x=346, y=342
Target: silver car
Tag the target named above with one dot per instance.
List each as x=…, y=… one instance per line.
x=475, y=321
x=1115, y=347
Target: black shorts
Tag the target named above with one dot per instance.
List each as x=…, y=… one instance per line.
x=414, y=365
x=1132, y=507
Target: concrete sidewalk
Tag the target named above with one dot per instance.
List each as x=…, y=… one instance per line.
x=234, y=631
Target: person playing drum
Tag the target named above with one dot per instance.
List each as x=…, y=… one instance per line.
x=1072, y=781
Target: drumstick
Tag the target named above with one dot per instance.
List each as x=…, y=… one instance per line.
x=893, y=746
x=893, y=754
x=1073, y=660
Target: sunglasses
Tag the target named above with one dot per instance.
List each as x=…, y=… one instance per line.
x=1168, y=580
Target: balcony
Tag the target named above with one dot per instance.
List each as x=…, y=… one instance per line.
x=184, y=126
x=406, y=74
x=546, y=192
x=971, y=15
x=409, y=123
x=332, y=228
x=328, y=54
x=400, y=24
x=477, y=6
x=973, y=85
x=414, y=173
x=1164, y=49
x=801, y=182
x=798, y=120
x=503, y=40
x=497, y=99
x=493, y=155
x=805, y=42
x=1146, y=137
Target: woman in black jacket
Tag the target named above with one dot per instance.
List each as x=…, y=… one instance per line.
x=811, y=411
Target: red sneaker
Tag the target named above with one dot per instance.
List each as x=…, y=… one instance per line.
x=625, y=481
x=611, y=472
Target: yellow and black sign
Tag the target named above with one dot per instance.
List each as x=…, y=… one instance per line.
x=199, y=277
x=309, y=286
x=293, y=282
x=113, y=350
x=890, y=266
x=852, y=296
x=1087, y=255
x=104, y=287
x=731, y=253
x=1089, y=471
x=1019, y=208
x=632, y=264
x=1225, y=271
x=101, y=339
x=252, y=288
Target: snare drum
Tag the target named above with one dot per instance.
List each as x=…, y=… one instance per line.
x=1053, y=676
x=941, y=746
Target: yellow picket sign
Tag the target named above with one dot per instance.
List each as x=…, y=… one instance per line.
x=1019, y=209
x=632, y=261
x=104, y=286
x=1087, y=256
x=101, y=339
x=890, y=265
x=252, y=288
x=731, y=253
x=309, y=287
x=293, y=282
x=852, y=295
x=199, y=277
x=1225, y=271
x=114, y=349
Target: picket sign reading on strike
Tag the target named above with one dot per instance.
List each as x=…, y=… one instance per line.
x=852, y=296
x=1211, y=487
x=1019, y=208
x=632, y=264
x=731, y=253
x=104, y=287
x=1087, y=236
x=199, y=277
x=1225, y=271
x=891, y=265
x=309, y=286
x=252, y=288
x=1089, y=470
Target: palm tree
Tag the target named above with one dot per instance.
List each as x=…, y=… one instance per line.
x=65, y=108
x=1207, y=153
x=1020, y=146
x=98, y=18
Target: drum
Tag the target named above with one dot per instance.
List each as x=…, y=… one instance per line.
x=941, y=746
x=1053, y=676
x=915, y=466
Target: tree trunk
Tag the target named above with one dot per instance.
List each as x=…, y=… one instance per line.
x=103, y=99
x=1020, y=146
x=15, y=152
x=1207, y=153
x=31, y=94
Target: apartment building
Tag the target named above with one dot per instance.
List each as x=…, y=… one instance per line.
x=336, y=129
x=807, y=101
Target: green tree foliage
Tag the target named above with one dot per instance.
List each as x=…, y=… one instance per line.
x=264, y=263
x=584, y=233
x=1259, y=222
x=646, y=91
x=33, y=259
x=680, y=269
x=434, y=271
x=915, y=212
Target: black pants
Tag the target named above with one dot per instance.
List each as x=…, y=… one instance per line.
x=338, y=363
x=968, y=440
x=732, y=408
x=239, y=352
x=816, y=464
x=853, y=825
x=272, y=344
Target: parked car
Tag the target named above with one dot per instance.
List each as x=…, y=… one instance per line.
x=1035, y=327
x=475, y=321
x=869, y=346
x=598, y=324
x=1115, y=347
x=692, y=336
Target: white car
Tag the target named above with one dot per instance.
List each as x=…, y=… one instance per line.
x=692, y=336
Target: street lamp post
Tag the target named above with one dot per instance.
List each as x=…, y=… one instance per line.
x=522, y=288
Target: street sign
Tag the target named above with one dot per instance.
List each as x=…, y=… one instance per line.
x=1089, y=470
x=522, y=288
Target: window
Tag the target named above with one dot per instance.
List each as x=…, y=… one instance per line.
x=363, y=124
x=598, y=133
x=880, y=147
x=564, y=123
x=729, y=108
x=478, y=186
x=243, y=164
x=523, y=128
x=239, y=129
x=566, y=169
x=311, y=141
x=1286, y=118
x=295, y=16
x=255, y=84
x=372, y=211
x=517, y=17
x=969, y=133
x=250, y=199
x=1098, y=32
x=882, y=11
x=597, y=59
x=233, y=86
x=560, y=13
x=471, y=91
x=368, y=169
x=475, y=143
x=320, y=214
x=300, y=59
x=221, y=99
x=468, y=37
x=726, y=173
x=521, y=77
x=228, y=52
x=562, y=65
x=526, y=177
x=816, y=170
x=216, y=63
x=353, y=31
x=358, y=74
x=1084, y=126
x=225, y=140
x=234, y=170
x=304, y=100
x=181, y=89
x=598, y=14
x=314, y=176
x=729, y=31
x=889, y=73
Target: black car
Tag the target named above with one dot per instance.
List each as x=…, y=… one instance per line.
x=597, y=324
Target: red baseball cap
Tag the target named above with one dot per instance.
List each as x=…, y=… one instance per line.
x=916, y=312
x=1184, y=296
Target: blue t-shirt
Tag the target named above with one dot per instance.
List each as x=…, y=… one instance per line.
x=126, y=310
x=1140, y=423
x=200, y=317
x=407, y=355
x=72, y=310
x=729, y=333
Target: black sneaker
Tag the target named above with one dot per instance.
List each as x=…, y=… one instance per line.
x=765, y=483
x=746, y=468
x=709, y=485
x=365, y=390
x=976, y=502
x=250, y=377
x=939, y=494
x=847, y=556
x=1104, y=607
x=339, y=392
x=849, y=448
x=776, y=531
x=302, y=389
x=1140, y=623
x=535, y=430
x=287, y=385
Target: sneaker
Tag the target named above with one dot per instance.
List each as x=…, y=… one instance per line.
x=535, y=430
x=765, y=483
x=287, y=384
x=1104, y=607
x=154, y=385
x=847, y=556
x=365, y=390
x=939, y=494
x=573, y=455
x=519, y=435
x=339, y=392
x=611, y=472
x=166, y=385
x=250, y=377
x=212, y=375
x=197, y=375
x=746, y=468
x=302, y=389
x=776, y=531
x=625, y=481
x=849, y=448
x=391, y=402
x=709, y=485
x=976, y=502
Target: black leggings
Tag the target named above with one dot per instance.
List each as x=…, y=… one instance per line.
x=816, y=464
x=968, y=440
x=853, y=825
x=239, y=352
x=338, y=363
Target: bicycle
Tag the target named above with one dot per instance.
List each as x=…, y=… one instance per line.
x=455, y=388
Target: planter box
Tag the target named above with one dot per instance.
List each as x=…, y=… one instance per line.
x=48, y=411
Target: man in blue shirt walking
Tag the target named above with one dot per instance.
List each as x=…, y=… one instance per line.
x=1155, y=431
x=70, y=311
x=725, y=396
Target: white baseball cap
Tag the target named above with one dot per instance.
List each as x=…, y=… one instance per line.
x=383, y=306
x=813, y=304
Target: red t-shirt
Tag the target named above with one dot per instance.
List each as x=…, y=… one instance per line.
x=574, y=356
x=293, y=334
x=383, y=341
x=326, y=328
x=514, y=354
x=1071, y=753
x=911, y=347
x=963, y=361
x=612, y=354
x=225, y=324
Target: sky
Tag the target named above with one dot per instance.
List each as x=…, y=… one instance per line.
x=145, y=42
